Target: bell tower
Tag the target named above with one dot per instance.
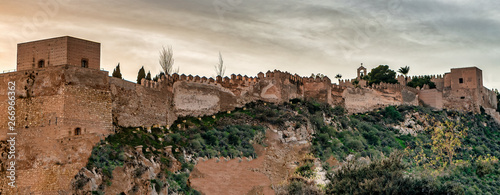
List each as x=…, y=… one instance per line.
x=361, y=71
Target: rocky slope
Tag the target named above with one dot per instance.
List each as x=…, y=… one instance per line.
x=300, y=147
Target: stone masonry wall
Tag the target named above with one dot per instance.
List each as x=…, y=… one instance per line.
x=432, y=98
x=318, y=89
x=50, y=104
x=136, y=105
x=197, y=99
x=489, y=98
x=461, y=99
x=359, y=100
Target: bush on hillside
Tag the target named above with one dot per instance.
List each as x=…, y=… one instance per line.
x=386, y=176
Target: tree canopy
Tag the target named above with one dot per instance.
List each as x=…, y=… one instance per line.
x=420, y=82
x=382, y=74
x=116, y=72
x=140, y=75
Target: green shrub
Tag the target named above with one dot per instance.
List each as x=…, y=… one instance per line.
x=338, y=110
x=300, y=188
x=382, y=177
x=106, y=158
x=234, y=139
x=356, y=145
x=176, y=137
x=420, y=82
x=97, y=193
x=318, y=121
x=372, y=138
x=158, y=185
x=306, y=170
x=393, y=114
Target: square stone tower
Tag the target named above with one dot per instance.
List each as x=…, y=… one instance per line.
x=58, y=51
x=466, y=78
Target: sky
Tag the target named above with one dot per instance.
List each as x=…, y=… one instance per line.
x=329, y=37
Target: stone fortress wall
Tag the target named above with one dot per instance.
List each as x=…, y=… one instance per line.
x=61, y=113
x=460, y=89
x=63, y=109
x=87, y=98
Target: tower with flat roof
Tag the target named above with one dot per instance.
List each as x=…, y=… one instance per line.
x=64, y=50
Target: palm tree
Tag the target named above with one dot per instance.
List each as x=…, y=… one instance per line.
x=338, y=76
x=404, y=70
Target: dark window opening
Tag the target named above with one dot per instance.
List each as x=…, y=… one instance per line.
x=85, y=63
x=462, y=97
x=41, y=63
x=78, y=131
x=461, y=80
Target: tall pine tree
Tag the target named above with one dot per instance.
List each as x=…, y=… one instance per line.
x=116, y=72
x=141, y=75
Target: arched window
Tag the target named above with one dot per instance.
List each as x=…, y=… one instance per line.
x=41, y=63
x=78, y=131
x=85, y=63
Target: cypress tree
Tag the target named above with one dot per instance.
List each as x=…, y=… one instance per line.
x=148, y=77
x=141, y=75
x=116, y=72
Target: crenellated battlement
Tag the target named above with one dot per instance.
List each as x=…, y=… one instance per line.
x=316, y=79
x=234, y=79
x=394, y=86
x=163, y=80
x=346, y=82
x=402, y=77
x=150, y=84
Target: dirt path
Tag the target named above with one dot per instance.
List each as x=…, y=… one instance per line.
x=274, y=165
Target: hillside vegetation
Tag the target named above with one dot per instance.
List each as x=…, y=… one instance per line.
x=394, y=150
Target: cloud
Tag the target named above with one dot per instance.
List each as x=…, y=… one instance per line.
x=297, y=36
